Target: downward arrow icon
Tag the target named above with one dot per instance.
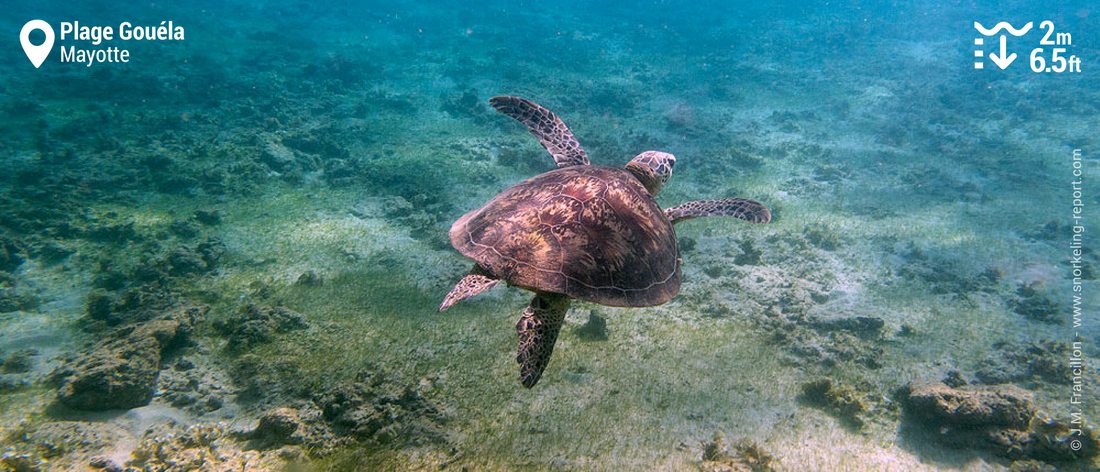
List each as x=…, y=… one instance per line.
x=1002, y=60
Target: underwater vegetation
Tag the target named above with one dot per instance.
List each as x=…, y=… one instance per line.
x=228, y=254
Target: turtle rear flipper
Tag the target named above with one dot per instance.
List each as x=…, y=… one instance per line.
x=538, y=331
x=743, y=208
x=546, y=126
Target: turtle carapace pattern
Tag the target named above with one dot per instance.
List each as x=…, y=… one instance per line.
x=583, y=232
x=593, y=233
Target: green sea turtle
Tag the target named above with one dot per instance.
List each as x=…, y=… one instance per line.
x=581, y=231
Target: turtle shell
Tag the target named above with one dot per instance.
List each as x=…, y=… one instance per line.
x=590, y=232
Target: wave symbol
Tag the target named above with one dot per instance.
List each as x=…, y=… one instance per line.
x=1002, y=25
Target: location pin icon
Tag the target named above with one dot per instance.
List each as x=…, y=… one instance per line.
x=37, y=54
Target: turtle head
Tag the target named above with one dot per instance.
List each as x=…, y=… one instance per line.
x=652, y=169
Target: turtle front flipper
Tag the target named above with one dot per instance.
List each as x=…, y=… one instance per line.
x=743, y=208
x=477, y=281
x=546, y=126
x=538, y=331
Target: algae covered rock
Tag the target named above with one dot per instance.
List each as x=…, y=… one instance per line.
x=10, y=253
x=203, y=446
x=15, y=296
x=128, y=306
x=278, y=426
x=1060, y=440
x=866, y=327
x=1013, y=362
x=1001, y=418
x=12, y=382
x=283, y=426
x=1002, y=405
x=21, y=462
x=184, y=261
x=119, y=375
x=18, y=362
x=310, y=278
x=382, y=413
x=121, y=371
x=742, y=456
x=197, y=386
x=1035, y=304
x=841, y=400
x=255, y=324
x=185, y=228
x=201, y=259
x=66, y=443
x=208, y=217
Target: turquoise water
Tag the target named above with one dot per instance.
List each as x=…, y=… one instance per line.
x=229, y=251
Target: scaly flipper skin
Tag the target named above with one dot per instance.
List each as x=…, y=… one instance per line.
x=745, y=209
x=546, y=126
x=476, y=282
x=538, y=331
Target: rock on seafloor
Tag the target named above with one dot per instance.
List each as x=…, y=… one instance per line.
x=1002, y=405
x=1000, y=418
x=121, y=371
